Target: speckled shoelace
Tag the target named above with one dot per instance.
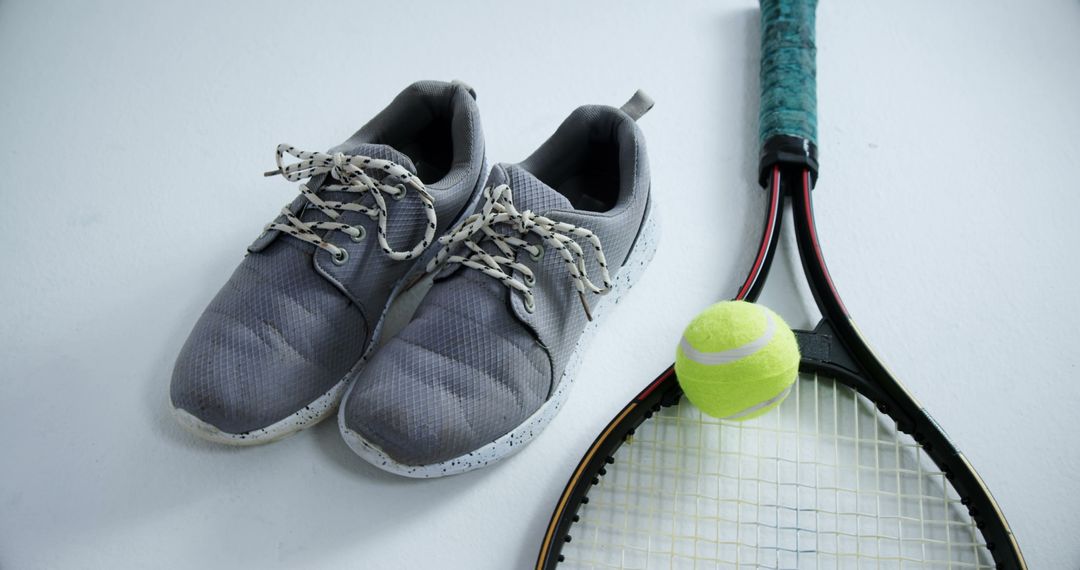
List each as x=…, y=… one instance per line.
x=499, y=209
x=352, y=173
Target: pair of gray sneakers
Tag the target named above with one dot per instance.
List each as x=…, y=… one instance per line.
x=516, y=264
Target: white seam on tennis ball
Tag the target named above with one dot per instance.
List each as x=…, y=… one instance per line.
x=757, y=407
x=731, y=355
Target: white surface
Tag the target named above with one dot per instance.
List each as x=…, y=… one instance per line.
x=133, y=140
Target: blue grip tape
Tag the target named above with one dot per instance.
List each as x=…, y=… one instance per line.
x=788, y=70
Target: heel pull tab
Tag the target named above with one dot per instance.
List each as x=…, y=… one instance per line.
x=638, y=105
x=464, y=86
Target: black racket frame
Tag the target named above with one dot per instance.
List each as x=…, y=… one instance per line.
x=835, y=348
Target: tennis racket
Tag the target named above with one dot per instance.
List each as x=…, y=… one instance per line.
x=848, y=472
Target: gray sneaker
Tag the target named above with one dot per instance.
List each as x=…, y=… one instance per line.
x=488, y=358
x=274, y=350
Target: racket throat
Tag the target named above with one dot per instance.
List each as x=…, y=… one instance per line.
x=822, y=347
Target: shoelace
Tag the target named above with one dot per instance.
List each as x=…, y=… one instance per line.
x=499, y=209
x=351, y=172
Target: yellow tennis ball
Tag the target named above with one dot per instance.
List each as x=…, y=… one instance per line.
x=737, y=360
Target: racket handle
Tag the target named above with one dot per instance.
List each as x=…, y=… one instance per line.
x=788, y=120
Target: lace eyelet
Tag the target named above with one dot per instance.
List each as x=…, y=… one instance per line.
x=529, y=280
x=537, y=256
x=340, y=257
x=400, y=195
x=530, y=305
x=360, y=236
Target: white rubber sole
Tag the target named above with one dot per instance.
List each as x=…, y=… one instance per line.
x=324, y=406
x=310, y=415
x=516, y=439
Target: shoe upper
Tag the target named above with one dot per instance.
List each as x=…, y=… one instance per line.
x=480, y=357
x=292, y=321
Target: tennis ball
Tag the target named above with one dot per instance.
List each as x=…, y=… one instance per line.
x=737, y=360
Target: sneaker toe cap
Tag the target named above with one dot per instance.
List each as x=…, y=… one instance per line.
x=260, y=354
x=425, y=398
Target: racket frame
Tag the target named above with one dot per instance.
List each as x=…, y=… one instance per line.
x=835, y=348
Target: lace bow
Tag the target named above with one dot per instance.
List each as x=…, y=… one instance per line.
x=352, y=174
x=499, y=209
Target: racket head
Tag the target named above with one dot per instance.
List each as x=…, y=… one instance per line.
x=830, y=479
x=822, y=482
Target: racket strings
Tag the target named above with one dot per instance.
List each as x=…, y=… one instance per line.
x=824, y=481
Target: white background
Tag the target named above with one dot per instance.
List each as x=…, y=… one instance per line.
x=134, y=135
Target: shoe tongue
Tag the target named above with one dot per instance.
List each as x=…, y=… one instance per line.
x=529, y=192
x=372, y=150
